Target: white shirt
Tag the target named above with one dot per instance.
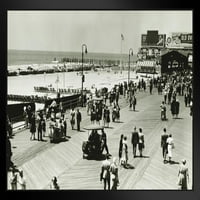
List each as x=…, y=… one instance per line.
x=169, y=140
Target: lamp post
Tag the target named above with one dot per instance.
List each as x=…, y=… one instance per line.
x=83, y=45
x=129, y=55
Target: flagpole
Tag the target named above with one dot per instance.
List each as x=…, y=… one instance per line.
x=57, y=82
x=64, y=76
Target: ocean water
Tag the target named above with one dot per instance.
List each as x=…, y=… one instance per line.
x=24, y=84
x=24, y=57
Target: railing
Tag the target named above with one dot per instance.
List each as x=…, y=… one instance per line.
x=25, y=98
x=60, y=90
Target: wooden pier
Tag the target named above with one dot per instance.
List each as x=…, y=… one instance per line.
x=41, y=161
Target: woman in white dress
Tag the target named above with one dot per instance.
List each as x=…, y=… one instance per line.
x=124, y=157
x=170, y=146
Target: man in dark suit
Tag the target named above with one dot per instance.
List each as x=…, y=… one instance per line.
x=134, y=102
x=105, y=146
x=164, y=137
x=134, y=141
x=39, y=128
x=78, y=119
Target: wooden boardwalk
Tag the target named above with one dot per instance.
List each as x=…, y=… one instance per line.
x=42, y=160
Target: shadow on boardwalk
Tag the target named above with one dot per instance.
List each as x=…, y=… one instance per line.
x=129, y=166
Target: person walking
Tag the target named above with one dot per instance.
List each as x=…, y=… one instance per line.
x=130, y=102
x=25, y=115
x=52, y=125
x=169, y=96
x=106, y=116
x=44, y=126
x=177, y=105
x=170, y=146
x=186, y=99
x=165, y=95
x=13, y=180
x=124, y=157
x=104, y=140
x=105, y=173
x=134, y=141
x=21, y=181
x=72, y=120
x=183, y=176
x=32, y=126
x=39, y=127
x=65, y=126
x=98, y=114
x=134, y=102
x=141, y=141
x=164, y=137
x=120, y=146
x=54, y=184
x=118, y=112
x=151, y=86
x=163, y=111
x=173, y=107
x=114, y=174
x=9, y=162
x=93, y=115
x=78, y=119
x=191, y=107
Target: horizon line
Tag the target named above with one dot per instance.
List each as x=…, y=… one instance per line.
x=65, y=51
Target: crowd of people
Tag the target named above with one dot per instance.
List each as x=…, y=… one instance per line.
x=177, y=85
x=170, y=86
x=17, y=179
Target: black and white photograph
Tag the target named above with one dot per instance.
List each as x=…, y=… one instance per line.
x=99, y=100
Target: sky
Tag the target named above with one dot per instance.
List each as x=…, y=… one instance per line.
x=99, y=30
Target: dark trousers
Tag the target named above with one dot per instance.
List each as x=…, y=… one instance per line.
x=114, y=185
x=78, y=125
x=105, y=182
x=39, y=134
x=165, y=99
x=134, y=149
x=164, y=152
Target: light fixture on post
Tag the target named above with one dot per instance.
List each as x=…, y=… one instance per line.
x=129, y=55
x=83, y=77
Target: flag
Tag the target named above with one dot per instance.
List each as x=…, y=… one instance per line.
x=122, y=36
x=161, y=40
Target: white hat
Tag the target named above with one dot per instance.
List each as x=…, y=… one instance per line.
x=183, y=161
